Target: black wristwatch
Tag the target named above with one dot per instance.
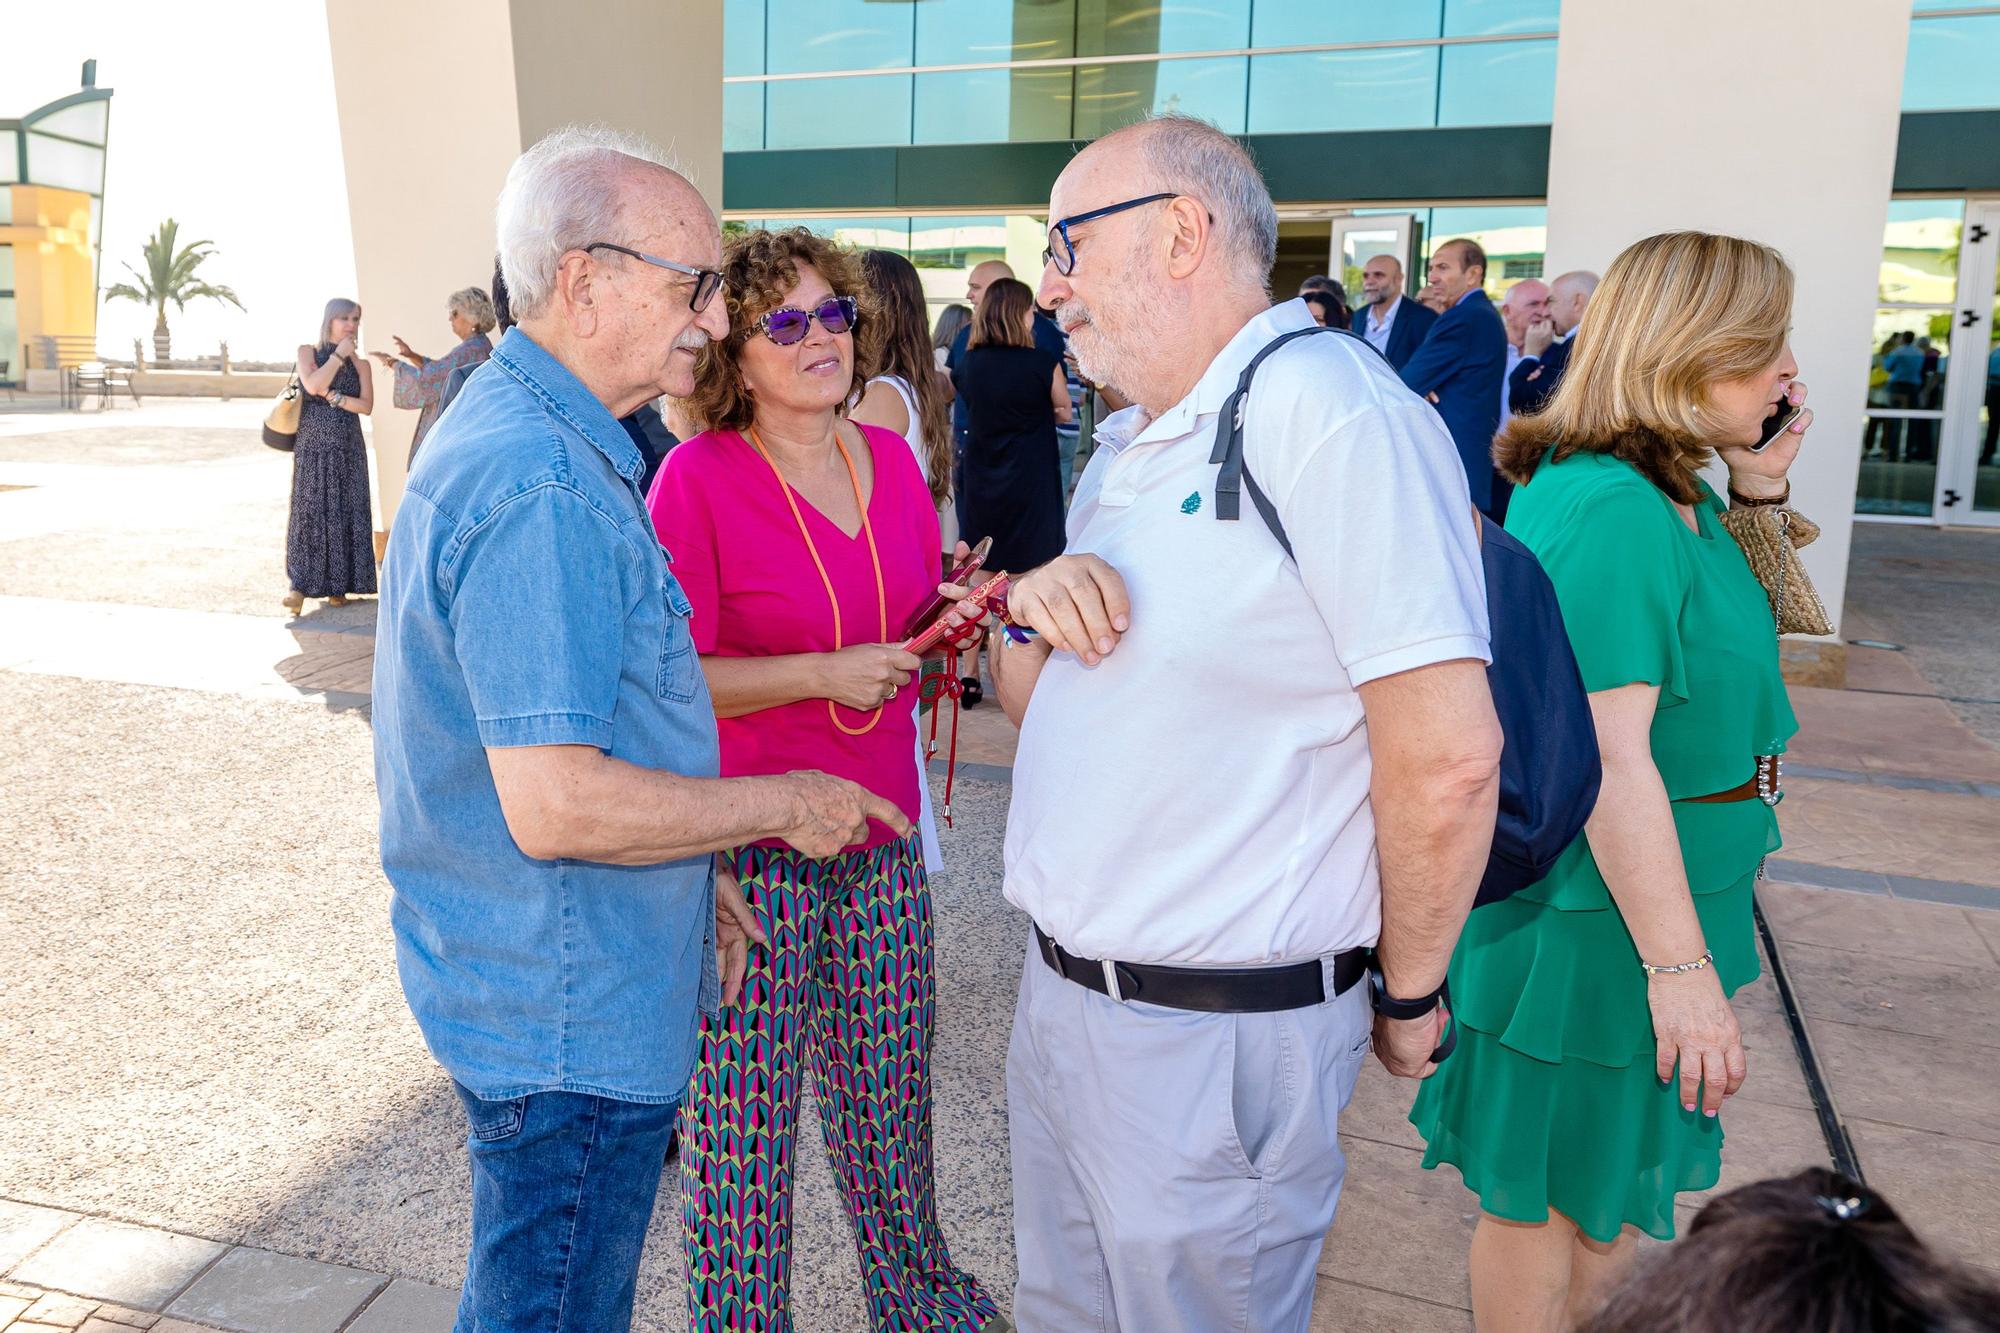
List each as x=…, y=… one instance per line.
x=1389, y=1006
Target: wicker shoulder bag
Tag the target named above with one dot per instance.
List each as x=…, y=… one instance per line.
x=1771, y=536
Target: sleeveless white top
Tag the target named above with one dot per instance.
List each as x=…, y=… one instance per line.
x=947, y=510
x=948, y=531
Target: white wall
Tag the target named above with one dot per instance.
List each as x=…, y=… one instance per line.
x=436, y=101
x=1775, y=120
x=428, y=128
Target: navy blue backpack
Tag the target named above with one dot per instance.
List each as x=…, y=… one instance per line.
x=1549, y=764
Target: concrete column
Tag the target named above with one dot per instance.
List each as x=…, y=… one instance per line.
x=435, y=102
x=1715, y=115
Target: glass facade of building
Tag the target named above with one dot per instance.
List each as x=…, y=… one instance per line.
x=855, y=73
x=1954, y=59
x=51, y=212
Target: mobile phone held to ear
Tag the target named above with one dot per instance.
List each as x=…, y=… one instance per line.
x=1781, y=419
x=962, y=572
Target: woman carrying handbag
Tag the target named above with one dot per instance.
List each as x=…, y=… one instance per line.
x=330, y=538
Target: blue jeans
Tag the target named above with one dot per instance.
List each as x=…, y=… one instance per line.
x=562, y=1191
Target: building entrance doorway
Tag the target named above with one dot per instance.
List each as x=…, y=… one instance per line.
x=1969, y=461
x=1927, y=451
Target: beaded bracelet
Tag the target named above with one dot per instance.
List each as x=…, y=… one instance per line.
x=1742, y=501
x=1654, y=970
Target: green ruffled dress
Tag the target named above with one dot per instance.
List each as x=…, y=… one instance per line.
x=1550, y=1100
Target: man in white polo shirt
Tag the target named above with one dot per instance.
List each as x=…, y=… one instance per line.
x=1240, y=768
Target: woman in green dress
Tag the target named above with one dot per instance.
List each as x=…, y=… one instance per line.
x=1596, y=1040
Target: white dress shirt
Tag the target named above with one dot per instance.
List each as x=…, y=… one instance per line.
x=1200, y=796
x=1376, y=333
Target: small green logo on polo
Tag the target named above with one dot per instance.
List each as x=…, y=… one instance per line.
x=1192, y=505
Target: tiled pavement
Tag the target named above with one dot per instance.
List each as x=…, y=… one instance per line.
x=1884, y=903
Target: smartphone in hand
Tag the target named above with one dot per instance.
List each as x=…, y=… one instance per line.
x=962, y=572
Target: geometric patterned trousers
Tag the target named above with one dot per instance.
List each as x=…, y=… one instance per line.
x=846, y=988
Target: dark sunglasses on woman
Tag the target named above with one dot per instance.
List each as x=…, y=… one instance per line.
x=788, y=325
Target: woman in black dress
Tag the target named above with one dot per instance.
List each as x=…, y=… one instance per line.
x=330, y=540
x=1014, y=393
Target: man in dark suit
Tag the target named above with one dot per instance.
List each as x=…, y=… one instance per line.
x=1392, y=323
x=1463, y=362
x=1546, y=347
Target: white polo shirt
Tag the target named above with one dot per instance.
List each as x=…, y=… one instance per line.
x=1200, y=797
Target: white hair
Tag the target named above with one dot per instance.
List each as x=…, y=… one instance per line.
x=564, y=193
x=1190, y=155
x=475, y=305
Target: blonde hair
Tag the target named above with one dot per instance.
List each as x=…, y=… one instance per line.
x=475, y=305
x=335, y=308
x=1676, y=314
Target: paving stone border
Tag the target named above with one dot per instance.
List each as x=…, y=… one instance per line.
x=68, y=1273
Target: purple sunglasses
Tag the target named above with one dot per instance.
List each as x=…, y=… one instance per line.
x=788, y=325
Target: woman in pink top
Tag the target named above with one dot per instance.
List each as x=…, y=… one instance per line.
x=806, y=544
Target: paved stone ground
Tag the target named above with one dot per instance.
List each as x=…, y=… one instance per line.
x=218, y=1108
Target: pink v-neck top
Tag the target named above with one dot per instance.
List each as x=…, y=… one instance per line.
x=737, y=552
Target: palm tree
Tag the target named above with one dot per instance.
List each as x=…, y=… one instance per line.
x=169, y=276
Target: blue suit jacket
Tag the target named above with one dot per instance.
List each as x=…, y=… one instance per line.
x=1463, y=362
x=1529, y=387
x=1406, y=335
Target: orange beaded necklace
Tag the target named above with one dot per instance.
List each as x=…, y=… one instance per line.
x=826, y=580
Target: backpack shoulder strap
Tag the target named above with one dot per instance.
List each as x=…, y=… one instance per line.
x=1234, y=476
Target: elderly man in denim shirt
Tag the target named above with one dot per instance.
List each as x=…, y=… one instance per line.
x=546, y=753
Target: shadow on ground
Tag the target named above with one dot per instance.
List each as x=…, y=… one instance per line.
x=206, y=1031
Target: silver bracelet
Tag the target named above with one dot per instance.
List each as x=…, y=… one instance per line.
x=1654, y=970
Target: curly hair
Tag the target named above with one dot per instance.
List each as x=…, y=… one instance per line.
x=758, y=268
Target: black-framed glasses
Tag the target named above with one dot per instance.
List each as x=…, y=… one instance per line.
x=707, y=282
x=788, y=325
x=1062, y=250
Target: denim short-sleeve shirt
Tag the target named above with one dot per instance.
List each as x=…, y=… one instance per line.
x=526, y=601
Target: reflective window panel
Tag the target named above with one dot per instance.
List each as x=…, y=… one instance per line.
x=1381, y=89
x=967, y=32
x=66, y=165
x=742, y=36
x=742, y=116
x=1312, y=22
x=1906, y=373
x=6, y=268
x=1515, y=239
x=1481, y=18
x=86, y=121
x=805, y=36
x=1920, y=252
x=1498, y=83
x=837, y=113
x=1953, y=64
x=1142, y=27
x=1108, y=96
x=994, y=105
x=10, y=158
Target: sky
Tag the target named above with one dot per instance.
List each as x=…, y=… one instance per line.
x=222, y=118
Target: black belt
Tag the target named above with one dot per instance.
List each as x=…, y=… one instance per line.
x=1213, y=990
